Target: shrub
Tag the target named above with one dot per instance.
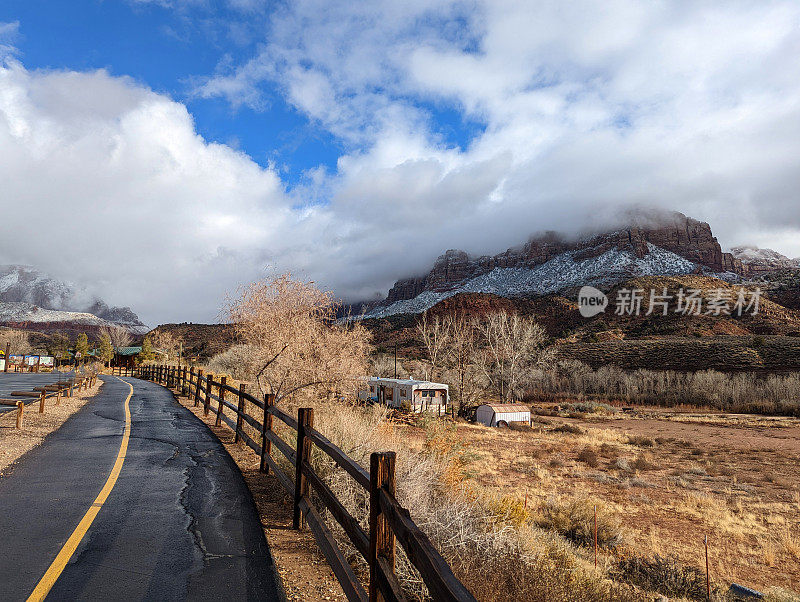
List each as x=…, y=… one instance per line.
x=643, y=462
x=588, y=456
x=622, y=464
x=590, y=407
x=574, y=519
x=570, y=429
x=641, y=441
x=666, y=575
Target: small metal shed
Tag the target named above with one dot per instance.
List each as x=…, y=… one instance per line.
x=502, y=414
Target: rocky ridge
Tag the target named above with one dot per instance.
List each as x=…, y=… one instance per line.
x=654, y=244
x=757, y=262
x=28, y=296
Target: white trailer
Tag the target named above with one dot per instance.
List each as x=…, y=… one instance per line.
x=416, y=395
x=502, y=414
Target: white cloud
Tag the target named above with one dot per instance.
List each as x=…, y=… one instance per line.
x=692, y=106
x=584, y=107
x=107, y=183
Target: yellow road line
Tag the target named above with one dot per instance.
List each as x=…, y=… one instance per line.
x=54, y=572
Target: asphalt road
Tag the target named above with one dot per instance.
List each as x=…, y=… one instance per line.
x=26, y=381
x=179, y=523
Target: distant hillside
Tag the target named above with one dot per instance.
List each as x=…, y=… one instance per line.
x=629, y=341
x=762, y=261
x=723, y=353
x=199, y=340
x=32, y=300
x=654, y=244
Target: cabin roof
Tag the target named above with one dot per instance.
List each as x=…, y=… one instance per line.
x=128, y=350
x=408, y=382
x=507, y=407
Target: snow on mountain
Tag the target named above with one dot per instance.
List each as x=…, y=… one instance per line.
x=17, y=313
x=562, y=272
x=25, y=291
x=759, y=261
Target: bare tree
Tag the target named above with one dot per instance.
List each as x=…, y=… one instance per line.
x=435, y=335
x=20, y=341
x=383, y=365
x=459, y=358
x=119, y=336
x=165, y=343
x=297, y=343
x=511, y=346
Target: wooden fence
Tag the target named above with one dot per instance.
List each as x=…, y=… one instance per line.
x=388, y=520
x=62, y=388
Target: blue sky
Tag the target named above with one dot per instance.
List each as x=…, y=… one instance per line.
x=352, y=143
x=167, y=49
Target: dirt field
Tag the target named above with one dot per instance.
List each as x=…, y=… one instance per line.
x=667, y=478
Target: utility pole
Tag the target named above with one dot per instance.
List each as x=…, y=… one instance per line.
x=395, y=360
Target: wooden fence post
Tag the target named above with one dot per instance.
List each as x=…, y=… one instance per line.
x=207, y=404
x=222, y=382
x=197, y=387
x=58, y=396
x=381, y=536
x=8, y=351
x=266, y=425
x=41, y=403
x=239, y=413
x=20, y=409
x=305, y=418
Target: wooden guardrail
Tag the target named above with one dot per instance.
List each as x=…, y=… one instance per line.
x=389, y=522
x=62, y=388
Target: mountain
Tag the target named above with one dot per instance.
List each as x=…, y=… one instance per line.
x=761, y=261
x=29, y=297
x=654, y=244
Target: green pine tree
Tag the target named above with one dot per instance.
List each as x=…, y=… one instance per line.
x=82, y=347
x=106, y=348
x=147, y=354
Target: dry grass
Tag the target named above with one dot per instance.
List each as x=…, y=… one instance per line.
x=667, y=494
x=482, y=496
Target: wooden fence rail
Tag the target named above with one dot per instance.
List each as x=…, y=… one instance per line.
x=60, y=389
x=389, y=522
